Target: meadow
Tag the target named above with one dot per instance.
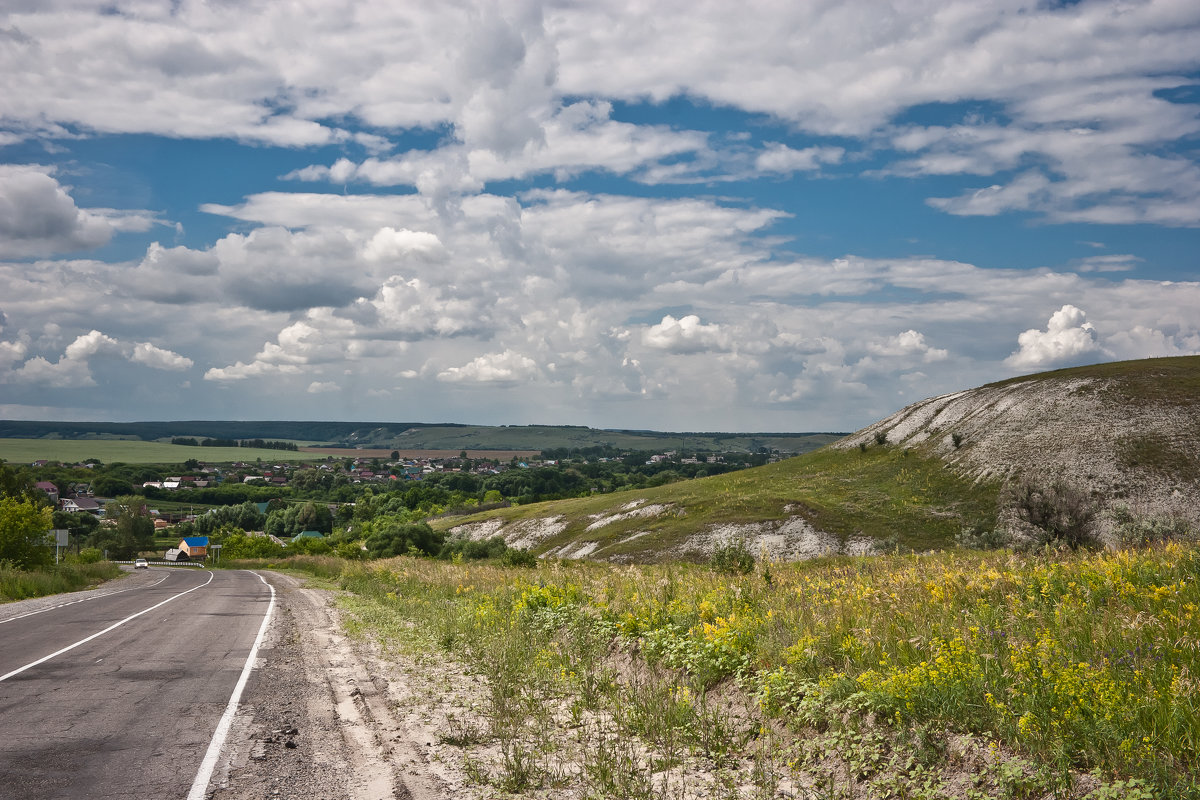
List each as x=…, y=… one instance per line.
x=952, y=675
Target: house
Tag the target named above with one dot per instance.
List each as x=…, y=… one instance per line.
x=50, y=489
x=194, y=547
x=308, y=535
x=74, y=505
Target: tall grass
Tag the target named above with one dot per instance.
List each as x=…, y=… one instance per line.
x=1071, y=664
x=18, y=584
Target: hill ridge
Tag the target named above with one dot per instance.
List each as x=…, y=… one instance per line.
x=1125, y=433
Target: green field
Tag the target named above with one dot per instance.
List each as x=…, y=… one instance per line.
x=111, y=451
x=543, y=437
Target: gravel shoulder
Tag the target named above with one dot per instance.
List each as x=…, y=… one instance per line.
x=317, y=720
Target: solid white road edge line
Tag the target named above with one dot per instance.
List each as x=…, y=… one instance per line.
x=112, y=627
x=204, y=775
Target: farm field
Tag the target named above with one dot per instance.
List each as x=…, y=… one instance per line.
x=110, y=451
x=354, y=452
x=956, y=675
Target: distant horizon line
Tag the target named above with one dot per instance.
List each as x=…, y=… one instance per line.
x=366, y=423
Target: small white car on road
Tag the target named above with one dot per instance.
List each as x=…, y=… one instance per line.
x=141, y=563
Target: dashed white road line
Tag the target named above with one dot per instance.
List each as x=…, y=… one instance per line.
x=112, y=627
x=84, y=600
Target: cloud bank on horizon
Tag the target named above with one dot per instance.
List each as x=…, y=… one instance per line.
x=700, y=216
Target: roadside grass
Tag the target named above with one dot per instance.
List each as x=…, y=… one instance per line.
x=884, y=493
x=112, y=451
x=18, y=584
x=951, y=675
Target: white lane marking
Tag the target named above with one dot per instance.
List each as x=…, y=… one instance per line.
x=112, y=627
x=204, y=775
x=84, y=600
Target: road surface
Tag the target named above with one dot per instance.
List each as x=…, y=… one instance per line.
x=119, y=695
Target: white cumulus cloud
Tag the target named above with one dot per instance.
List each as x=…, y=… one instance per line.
x=1067, y=337
x=503, y=368
x=686, y=335
x=157, y=357
x=908, y=343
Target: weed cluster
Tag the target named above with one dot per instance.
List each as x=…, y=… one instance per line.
x=20, y=584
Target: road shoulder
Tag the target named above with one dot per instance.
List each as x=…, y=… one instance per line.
x=316, y=719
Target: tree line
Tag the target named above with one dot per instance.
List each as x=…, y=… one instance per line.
x=260, y=444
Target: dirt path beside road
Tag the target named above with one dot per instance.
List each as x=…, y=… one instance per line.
x=317, y=718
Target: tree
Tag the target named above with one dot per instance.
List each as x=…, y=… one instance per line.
x=17, y=483
x=111, y=486
x=23, y=528
x=239, y=545
x=132, y=531
x=389, y=537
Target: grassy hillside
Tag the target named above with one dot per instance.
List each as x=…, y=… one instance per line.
x=1175, y=381
x=881, y=495
x=1125, y=435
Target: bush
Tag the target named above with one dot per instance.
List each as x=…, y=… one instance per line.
x=351, y=551
x=1132, y=530
x=393, y=538
x=982, y=539
x=733, y=557
x=240, y=545
x=474, y=550
x=90, y=555
x=516, y=557
x=1059, y=515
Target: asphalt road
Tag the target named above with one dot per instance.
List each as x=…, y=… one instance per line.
x=131, y=712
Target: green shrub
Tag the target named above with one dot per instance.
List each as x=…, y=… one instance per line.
x=982, y=539
x=474, y=550
x=1059, y=515
x=1132, y=530
x=90, y=555
x=516, y=557
x=733, y=557
x=390, y=537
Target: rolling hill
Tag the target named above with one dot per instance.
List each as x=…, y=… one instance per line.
x=1125, y=433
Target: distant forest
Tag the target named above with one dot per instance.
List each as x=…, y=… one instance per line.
x=562, y=439
x=214, y=429
x=260, y=444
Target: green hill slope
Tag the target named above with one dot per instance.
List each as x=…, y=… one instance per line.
x=1126, y=433
x=820, y=503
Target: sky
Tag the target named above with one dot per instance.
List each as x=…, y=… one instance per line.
x=684, y=216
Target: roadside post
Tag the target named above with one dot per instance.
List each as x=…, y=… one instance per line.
x=61, y=540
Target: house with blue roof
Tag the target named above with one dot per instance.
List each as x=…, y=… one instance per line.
x=194, y=547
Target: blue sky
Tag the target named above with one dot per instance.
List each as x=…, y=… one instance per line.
x=684, y=216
